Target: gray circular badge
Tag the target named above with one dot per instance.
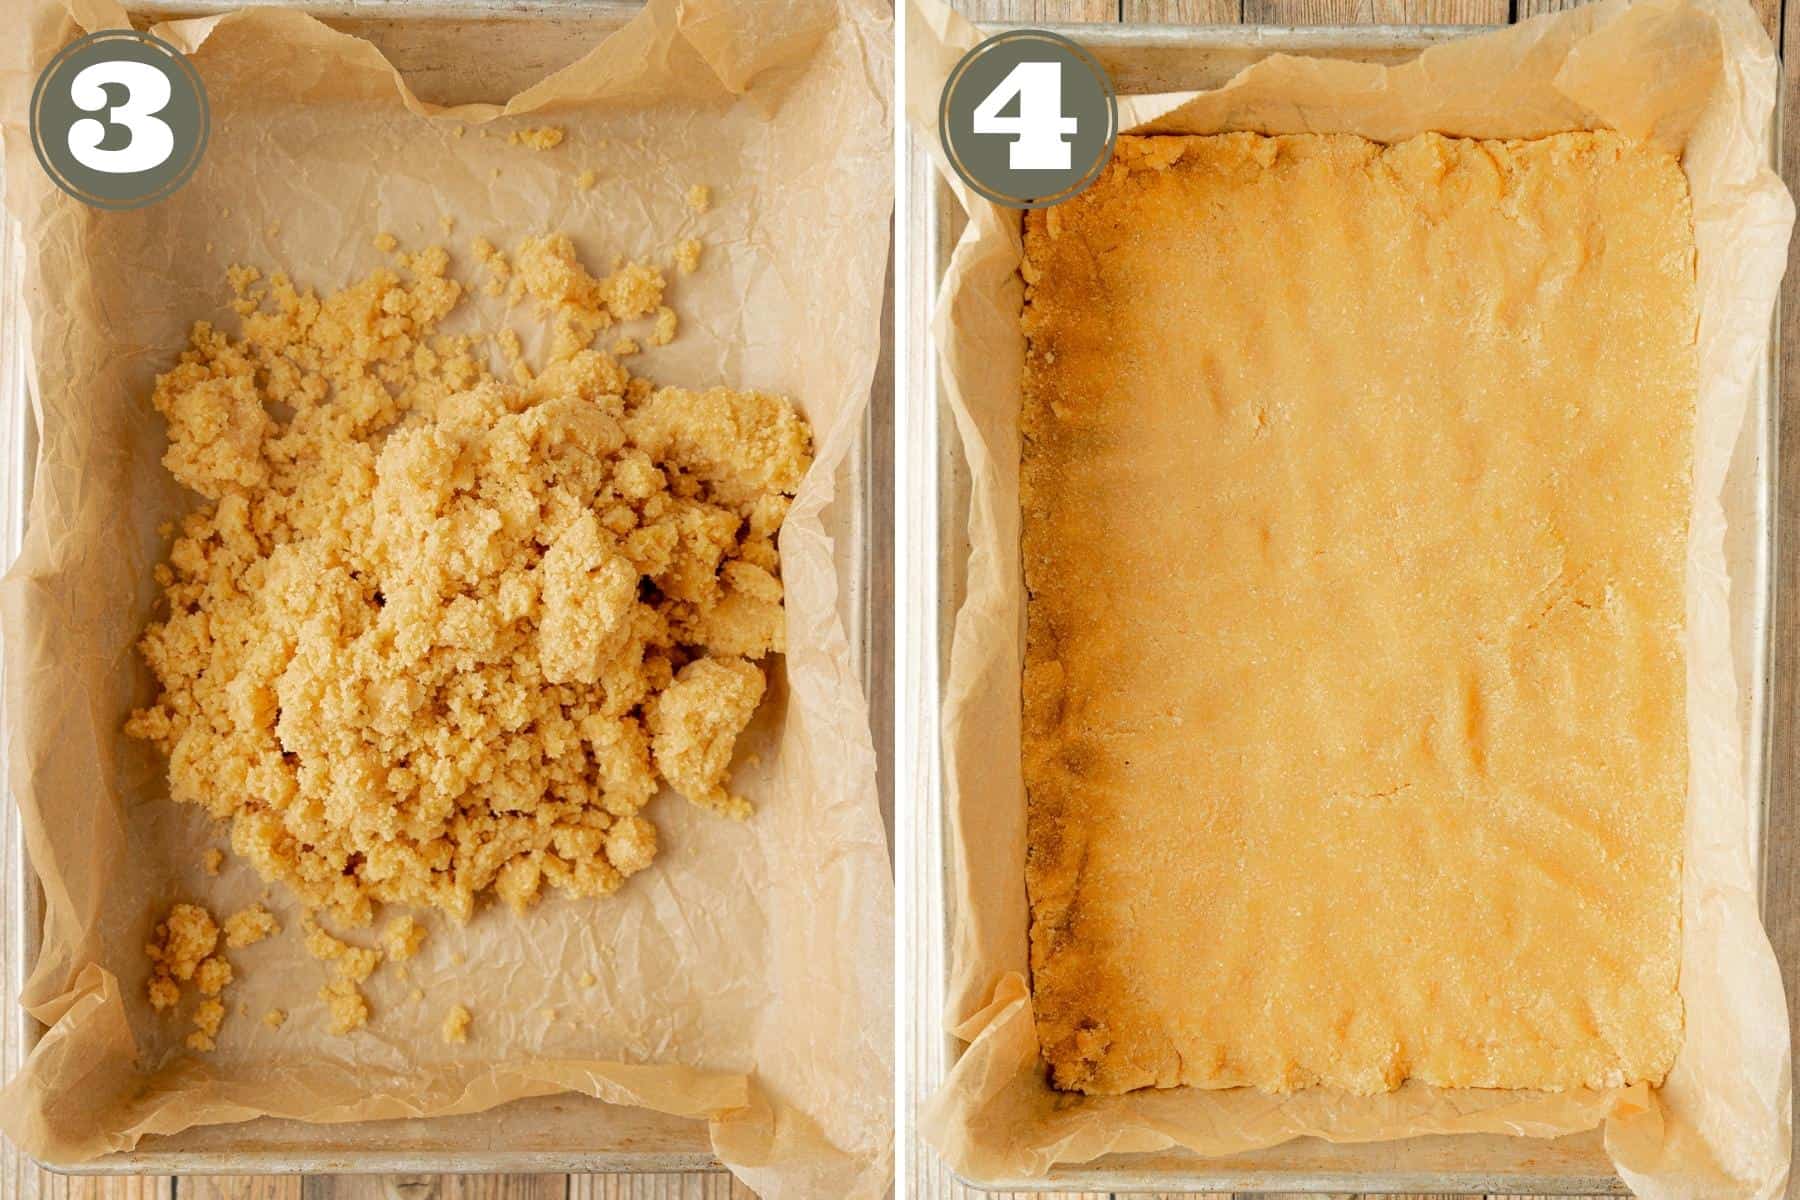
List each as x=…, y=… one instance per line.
x=119, y=119
x=1028, y=118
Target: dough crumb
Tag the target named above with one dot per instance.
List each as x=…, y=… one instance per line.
x=631, y=844
x=249, y=926
x=403, y=937
x=587, y=979
x=320, y=943
x=347, y=1008
x=212, y=860
x=447, y=223
x=212, y=976
x=699, y=198
x=241, y=279
x=183, y=953
x=208, y=1016
x=664, y=332
x=587, y=179
x=494, y=263
x=433, y=635
x=275, y=1018
x=387, y=243
x=694, y=724
x=687, y=255
x=164, y=993
x=625, y=347
x=456, y=1025
x=184, y=940
x=351, y=963
x=358, y=963
x=543, y=137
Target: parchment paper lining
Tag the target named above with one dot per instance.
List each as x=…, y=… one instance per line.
x=1695, y=76
x=746, y=978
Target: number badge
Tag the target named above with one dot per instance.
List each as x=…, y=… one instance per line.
x=1028, y=118
x=119, y=119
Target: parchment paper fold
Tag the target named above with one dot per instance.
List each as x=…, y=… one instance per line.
x=745, y=978
x=1695, y=76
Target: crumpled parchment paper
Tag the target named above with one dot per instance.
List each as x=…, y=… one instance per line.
x=746, y=977
x=1696, y=76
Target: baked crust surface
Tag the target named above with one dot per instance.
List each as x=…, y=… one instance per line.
x=1355, y=487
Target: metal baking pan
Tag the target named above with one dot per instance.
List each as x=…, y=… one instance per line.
x=435, y=44
x=934, y=485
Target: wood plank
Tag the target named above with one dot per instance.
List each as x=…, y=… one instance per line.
x=239, y=1187
x=24, y=1180
x=1376, y=12
x=692, y=1186
x=1183, y=12
x=103, y=1187
x=1038, y=12
x=435, y=1187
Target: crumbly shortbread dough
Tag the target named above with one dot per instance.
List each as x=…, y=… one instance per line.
x=402, y=938
x=537, y=137
x=212, y=976
x=347, y=1007
x=184, y=952
x=208, y=1016
x=1355, y=492
x=417, y=636
x=183, y=941
x=250, y=926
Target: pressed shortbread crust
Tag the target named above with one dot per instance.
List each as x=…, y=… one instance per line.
x=1355, y=488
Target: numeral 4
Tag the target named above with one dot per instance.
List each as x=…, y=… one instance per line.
x=1039, y=129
